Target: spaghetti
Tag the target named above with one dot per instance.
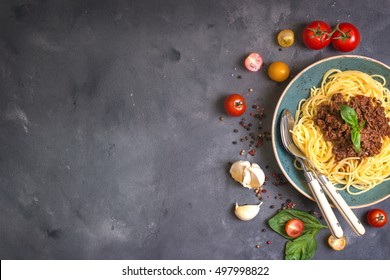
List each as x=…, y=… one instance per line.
x=356, y=175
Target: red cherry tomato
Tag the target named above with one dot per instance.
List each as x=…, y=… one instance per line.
x=294, y=228
x=316, y=35
x=235, y=105
x=253, y=62
x=377, y=218
x=346, y=37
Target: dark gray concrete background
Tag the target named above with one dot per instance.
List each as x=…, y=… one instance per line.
x=111, y=146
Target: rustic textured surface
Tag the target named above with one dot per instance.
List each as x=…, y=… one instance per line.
x=111, y=143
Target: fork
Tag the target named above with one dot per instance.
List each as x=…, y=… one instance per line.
x=329, y=188
x=314, y=185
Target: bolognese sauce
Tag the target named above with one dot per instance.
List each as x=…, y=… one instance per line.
x=369, y=111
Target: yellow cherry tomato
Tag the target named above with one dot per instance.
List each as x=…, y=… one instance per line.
x=286, y=38
x=278, y=71
x=337, y=244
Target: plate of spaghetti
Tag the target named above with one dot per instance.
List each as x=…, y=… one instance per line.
x=341, y=107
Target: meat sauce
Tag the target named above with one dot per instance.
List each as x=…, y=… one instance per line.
x=335, y=130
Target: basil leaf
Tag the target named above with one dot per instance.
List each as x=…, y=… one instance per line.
x=301, y=248
x=355, y=138
x=349, y=115
x=278, y=222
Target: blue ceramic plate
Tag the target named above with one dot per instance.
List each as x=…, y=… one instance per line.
x=298, y=89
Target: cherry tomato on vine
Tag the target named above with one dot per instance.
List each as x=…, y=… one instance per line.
x=346, y=37
x=235, y=105
x=317, y=35
x=377, y=218
x=278, y=71
x=253, y=62
x=337, y=244
x=294, y=228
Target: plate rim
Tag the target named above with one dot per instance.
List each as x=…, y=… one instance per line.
x=275, y=115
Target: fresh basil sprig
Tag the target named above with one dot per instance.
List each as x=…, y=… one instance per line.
x=303, y=247
x=350, y=117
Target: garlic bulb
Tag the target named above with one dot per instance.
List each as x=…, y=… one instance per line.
x=250, y=176
x=247, y=212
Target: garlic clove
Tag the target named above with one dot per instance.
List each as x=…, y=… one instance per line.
x=237, y=170
x=250, y=176
x=247, y=178
x=257, y=176
x=247, y=212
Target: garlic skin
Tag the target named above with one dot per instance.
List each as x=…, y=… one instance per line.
x=247, y=212
x=249, y=176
